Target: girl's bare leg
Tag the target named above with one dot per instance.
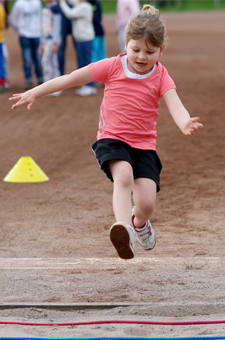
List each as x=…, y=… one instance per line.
x=144, y=196
x=122, y=174
x=122, y=235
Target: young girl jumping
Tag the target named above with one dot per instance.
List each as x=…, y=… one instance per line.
x=126, y=139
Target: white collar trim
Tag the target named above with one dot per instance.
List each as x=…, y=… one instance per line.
x=134, y=75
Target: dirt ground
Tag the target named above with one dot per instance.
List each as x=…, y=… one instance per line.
x=54, y=239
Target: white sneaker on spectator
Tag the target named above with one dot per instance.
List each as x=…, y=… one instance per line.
x=122, y=237
x=28, y=84
x=55, y=94
x=86, y=90
x=145, y=235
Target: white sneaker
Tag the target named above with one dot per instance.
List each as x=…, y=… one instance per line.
x=86, y=90
x=55, y=94
x=145, y=235
x=122, y=237
x=28, y=84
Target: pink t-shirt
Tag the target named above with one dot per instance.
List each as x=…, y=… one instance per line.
x=129, y=108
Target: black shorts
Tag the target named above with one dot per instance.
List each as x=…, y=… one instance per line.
x=145, y=163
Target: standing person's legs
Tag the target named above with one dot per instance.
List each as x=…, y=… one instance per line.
x=79, y=54
x=46, y=60
x=66, y=30
x=62, y=46
x=121, y=40
x=49, y=61
x=35, y=42
x=55, y=65
x=2, y=70
x=84, y=57
x=26, y=49
x=84, y=53
x=95, y=50
x=6, y=64
x=50, y=64
x=61, y=55
x=99, y=49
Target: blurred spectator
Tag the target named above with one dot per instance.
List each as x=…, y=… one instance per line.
x=2, y=65
x=66, y=29
x=25, y=18
x=124, y=9
x=99, y=46
x=83, y=32
x=5, y=49
x=50, y=40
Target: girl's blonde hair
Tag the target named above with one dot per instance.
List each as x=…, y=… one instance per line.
x=146, y=25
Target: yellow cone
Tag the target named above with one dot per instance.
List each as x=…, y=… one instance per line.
x=26, y=171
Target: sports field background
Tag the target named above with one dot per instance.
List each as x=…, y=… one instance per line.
x=109, y=6
x=54, y=236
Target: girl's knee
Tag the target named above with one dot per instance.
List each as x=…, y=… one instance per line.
x=122, y=173
x=145, y=207
x=124, y=178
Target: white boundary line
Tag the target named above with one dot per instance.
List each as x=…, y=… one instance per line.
x=66, y=263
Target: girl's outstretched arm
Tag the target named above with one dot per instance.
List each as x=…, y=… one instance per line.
x=76, y=78
x=180, y=115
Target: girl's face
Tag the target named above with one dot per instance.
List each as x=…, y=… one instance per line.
x=140, y=57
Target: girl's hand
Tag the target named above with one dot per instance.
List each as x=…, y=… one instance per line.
x=26, y=98
x=78, y=77
x=180, y=115
x=192, y=126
